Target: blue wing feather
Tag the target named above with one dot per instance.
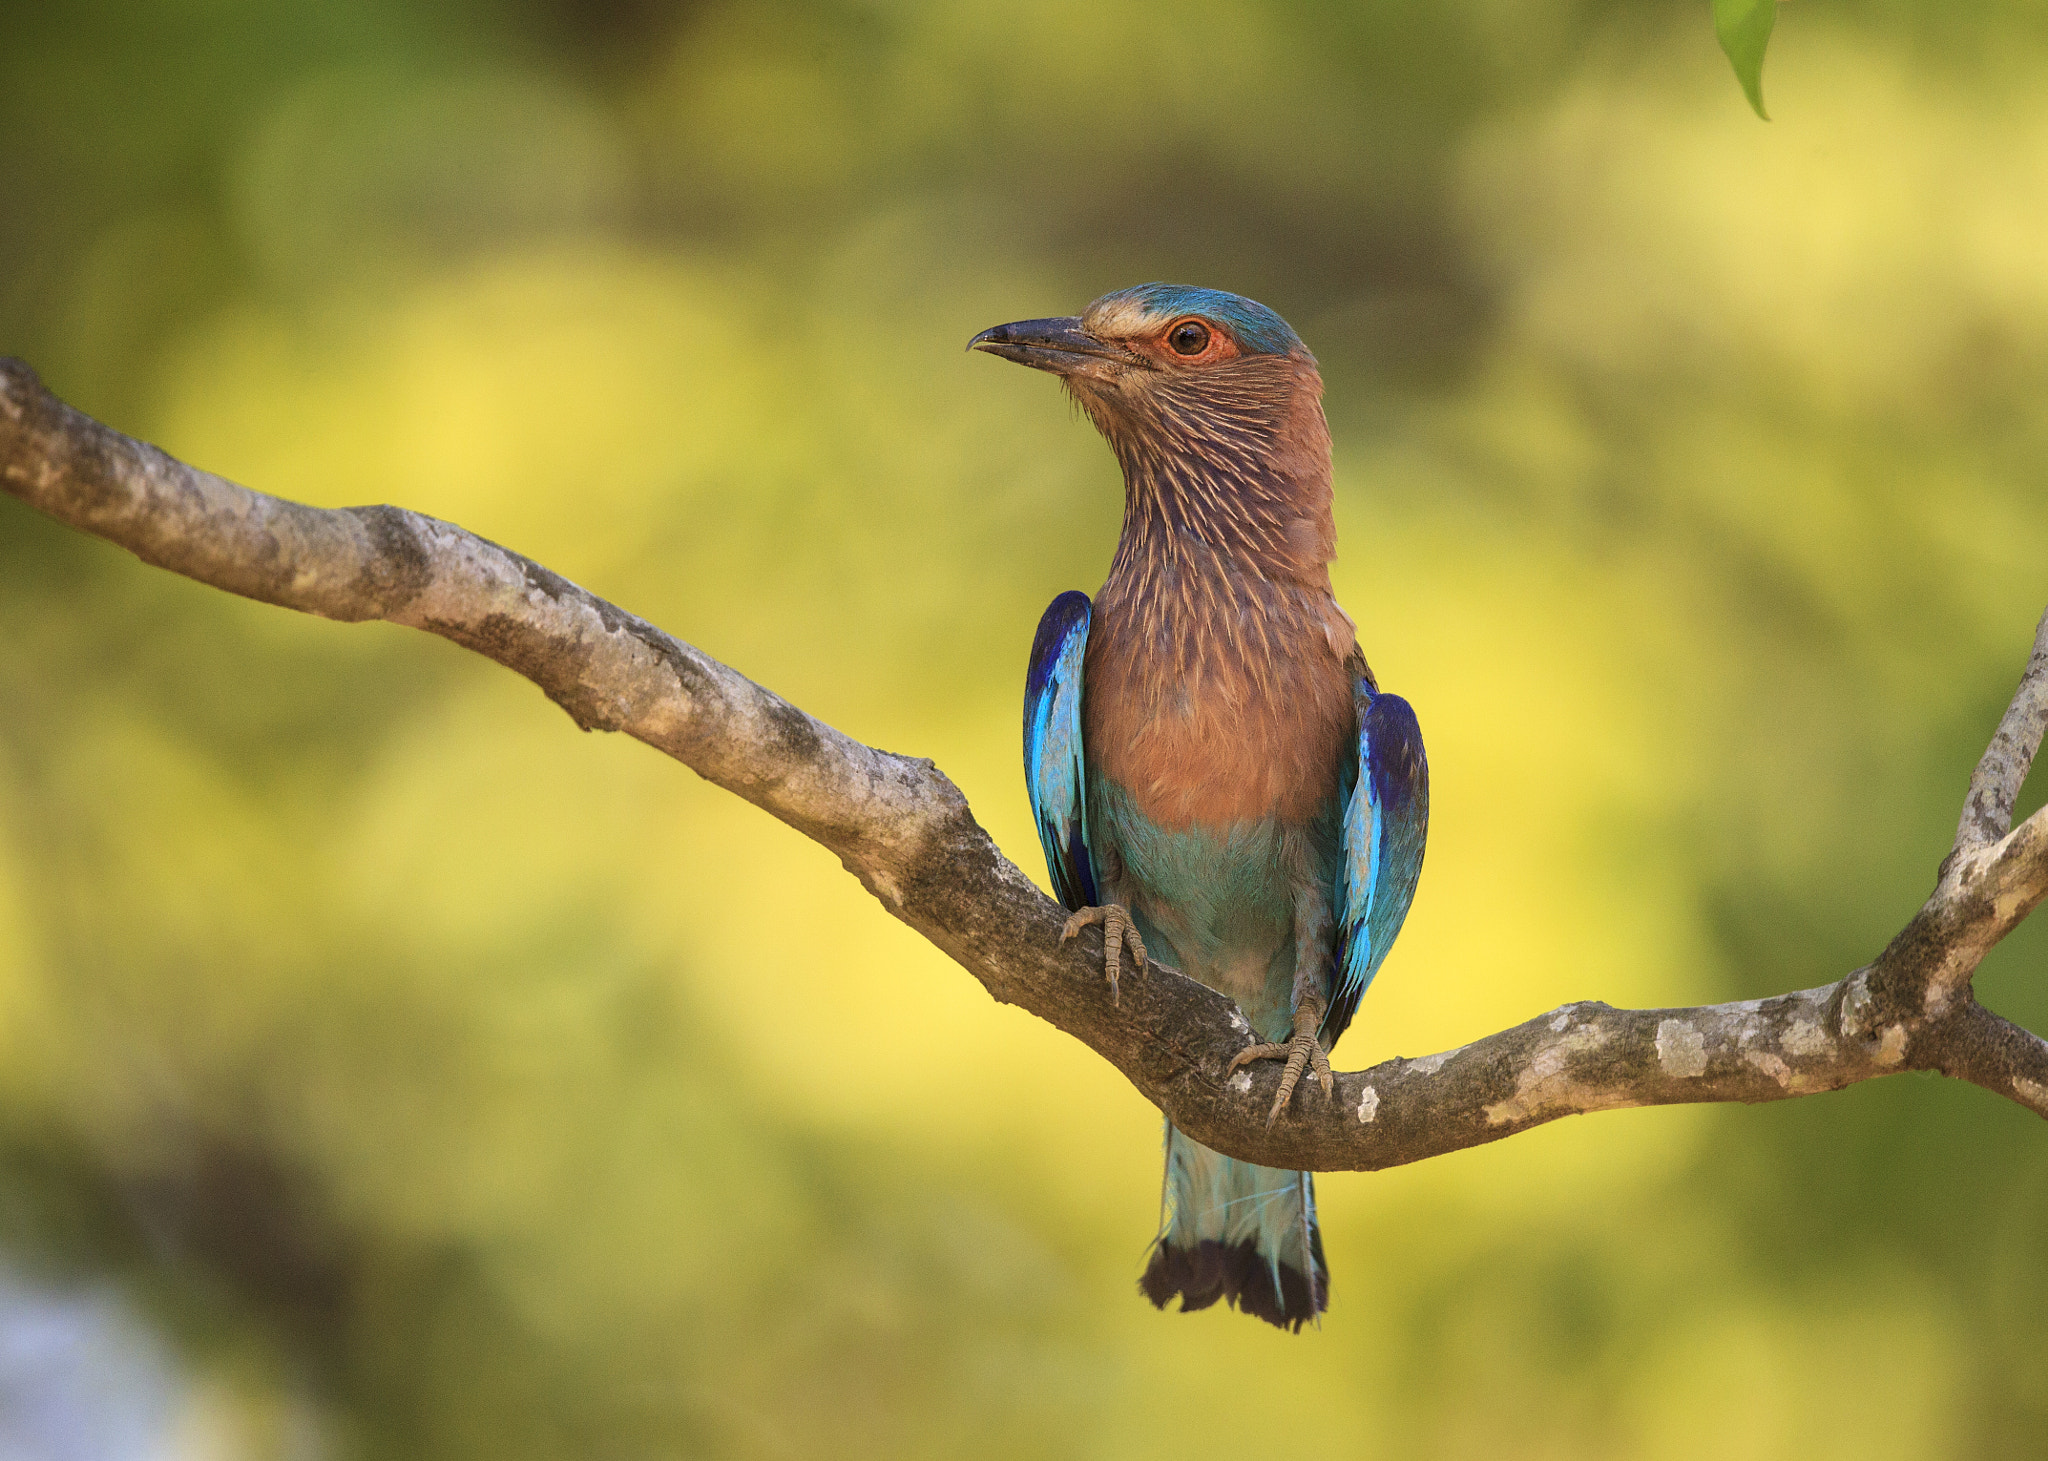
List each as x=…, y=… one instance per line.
x=1386, y=822
x=1055, y=771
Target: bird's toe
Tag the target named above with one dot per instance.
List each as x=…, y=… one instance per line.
x=1118, y=933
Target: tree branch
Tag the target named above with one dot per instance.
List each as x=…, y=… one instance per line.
x=1995, y=784
x=906, y=832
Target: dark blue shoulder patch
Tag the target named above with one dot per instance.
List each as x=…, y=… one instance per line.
x=1399, y=768
x=1059, y=619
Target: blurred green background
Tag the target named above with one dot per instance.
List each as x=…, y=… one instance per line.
x=387, y=1070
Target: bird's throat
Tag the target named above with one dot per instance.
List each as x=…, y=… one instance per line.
x=1217, y=637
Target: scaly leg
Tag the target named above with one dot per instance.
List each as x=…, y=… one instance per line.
x=1303, y=1051
x=1117, y=930
x=1314, y=956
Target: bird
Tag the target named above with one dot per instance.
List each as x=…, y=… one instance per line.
x=1216, y=778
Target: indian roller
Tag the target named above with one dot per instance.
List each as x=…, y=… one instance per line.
x=1217, y=778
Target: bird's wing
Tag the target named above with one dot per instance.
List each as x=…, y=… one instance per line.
x=1054, y=769
x=1385, y=824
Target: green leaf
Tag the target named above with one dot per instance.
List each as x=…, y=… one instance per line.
x=1744, y=27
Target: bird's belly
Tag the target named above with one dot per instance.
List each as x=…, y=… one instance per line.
x=1217, y=898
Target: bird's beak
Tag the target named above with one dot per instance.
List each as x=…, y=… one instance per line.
x=1060, y=346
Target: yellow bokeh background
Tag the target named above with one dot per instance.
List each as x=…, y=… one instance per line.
x=443, y=1082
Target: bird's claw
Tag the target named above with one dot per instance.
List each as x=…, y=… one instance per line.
x=1302, y=1051
x=1117, y=930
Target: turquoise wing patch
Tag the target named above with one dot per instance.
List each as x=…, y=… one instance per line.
x=1386, y=822
x=1055, y=771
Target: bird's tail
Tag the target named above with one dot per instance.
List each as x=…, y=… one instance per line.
x=1231, y=1230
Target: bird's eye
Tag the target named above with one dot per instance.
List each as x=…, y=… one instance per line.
x=1189, y=337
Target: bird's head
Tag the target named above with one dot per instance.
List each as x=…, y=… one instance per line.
x=1175, y=375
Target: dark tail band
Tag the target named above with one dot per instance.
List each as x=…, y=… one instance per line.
x=1236, y=1273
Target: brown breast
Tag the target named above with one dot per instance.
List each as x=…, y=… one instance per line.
x=1226, y=702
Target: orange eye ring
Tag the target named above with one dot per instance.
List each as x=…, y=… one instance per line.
x=1188, y=337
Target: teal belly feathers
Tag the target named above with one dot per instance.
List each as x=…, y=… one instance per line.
x=1216, y=903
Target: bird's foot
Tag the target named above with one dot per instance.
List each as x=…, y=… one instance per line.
x=1303, y=1051
x=1117, y=930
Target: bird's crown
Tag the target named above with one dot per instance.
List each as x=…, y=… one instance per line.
x=1145, y=309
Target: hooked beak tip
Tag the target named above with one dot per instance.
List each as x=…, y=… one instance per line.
x=1061, y=346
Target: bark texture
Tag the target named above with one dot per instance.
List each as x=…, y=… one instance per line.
x=906, y=832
